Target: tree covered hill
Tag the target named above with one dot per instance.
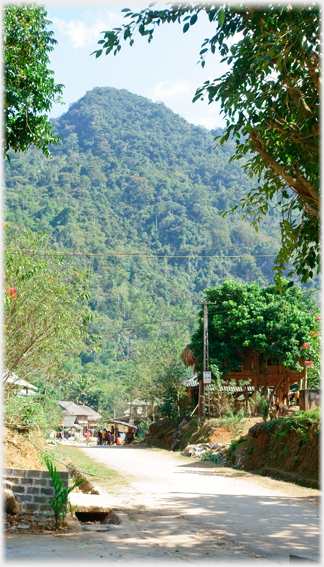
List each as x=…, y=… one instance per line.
x=130, y=176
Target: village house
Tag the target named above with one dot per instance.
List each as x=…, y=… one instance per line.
x=19, y=387
x=77, y=416
x=271, y=377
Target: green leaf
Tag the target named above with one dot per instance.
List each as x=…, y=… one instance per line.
x=221, y=17
x=186, y=27
x=193, y=19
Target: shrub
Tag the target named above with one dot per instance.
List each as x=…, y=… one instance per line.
x=60, y=500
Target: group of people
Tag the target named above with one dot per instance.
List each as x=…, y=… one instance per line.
x=293, y=400
x=106, y=437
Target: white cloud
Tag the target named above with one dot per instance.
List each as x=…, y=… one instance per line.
x=84, y=32
x=165, y=91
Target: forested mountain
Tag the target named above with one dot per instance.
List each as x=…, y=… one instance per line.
x=129, y=177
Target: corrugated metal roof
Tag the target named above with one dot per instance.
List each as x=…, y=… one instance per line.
x=193, y=382
x=120, y=423
x=236, y=389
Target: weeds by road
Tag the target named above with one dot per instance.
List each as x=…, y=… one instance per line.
x=112, y=482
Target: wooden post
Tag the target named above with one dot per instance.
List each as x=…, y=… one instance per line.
x=247, y=401
x=200, y=398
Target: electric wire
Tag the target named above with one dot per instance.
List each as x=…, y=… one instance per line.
x=69, y=466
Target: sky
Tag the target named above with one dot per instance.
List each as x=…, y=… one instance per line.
x=165, y=70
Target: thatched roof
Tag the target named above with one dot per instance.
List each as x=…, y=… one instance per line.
x=188, y=357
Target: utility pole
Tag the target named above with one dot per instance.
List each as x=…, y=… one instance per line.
x=201, y=396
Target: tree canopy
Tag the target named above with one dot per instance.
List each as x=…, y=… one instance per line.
x=46, y=308
x=30, y=89
x=271, y=99
x=273, y=323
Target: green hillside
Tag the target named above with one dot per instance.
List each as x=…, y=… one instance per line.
x=130, y=176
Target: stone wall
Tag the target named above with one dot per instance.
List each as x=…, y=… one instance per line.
x=28, y=487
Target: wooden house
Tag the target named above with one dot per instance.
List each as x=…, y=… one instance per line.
x=84, y=417
x=271, y=377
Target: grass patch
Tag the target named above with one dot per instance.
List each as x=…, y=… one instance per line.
x=112, y=483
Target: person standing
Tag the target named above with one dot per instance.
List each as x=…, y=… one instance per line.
x=87, y=436
x=99, y=437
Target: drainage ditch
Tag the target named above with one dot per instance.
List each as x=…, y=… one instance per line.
x=97, y=520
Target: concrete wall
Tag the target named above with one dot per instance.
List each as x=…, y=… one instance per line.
x=29, y=486
x=309, y=399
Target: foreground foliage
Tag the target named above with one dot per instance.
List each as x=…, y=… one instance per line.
x=60, y=500
x=47, y=320
x=271, y=99
x=30, y=89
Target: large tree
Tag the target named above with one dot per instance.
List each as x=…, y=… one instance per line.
x=29, y=87
x=275, y=324
x=46, y=308
x=271, y=99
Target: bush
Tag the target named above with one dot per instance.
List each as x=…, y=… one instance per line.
x=27, y=413
x=212, y=456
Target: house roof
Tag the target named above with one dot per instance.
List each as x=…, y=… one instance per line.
x=13, y=379
x=118, y=422
x=73, y=408
x=91, y=412
x=193, y=382
x=78, y=410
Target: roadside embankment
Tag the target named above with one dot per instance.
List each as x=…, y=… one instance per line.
x=285, y=448
x=166, y=435
x=19, y=453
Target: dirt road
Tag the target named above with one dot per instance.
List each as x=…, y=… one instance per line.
x=173, y=496
x=179, y=509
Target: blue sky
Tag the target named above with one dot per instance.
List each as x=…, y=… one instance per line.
x=165, y=70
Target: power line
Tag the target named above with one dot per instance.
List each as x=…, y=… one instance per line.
x=163, y=254
x=156, y=254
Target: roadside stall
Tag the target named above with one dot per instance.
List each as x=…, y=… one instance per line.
x=123, y=427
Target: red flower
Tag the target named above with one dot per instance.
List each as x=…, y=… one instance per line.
x=311, y=332
x=319, y=318
x=13, y=295
x=316, y=334
x=305, y=345
x=309, y=362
